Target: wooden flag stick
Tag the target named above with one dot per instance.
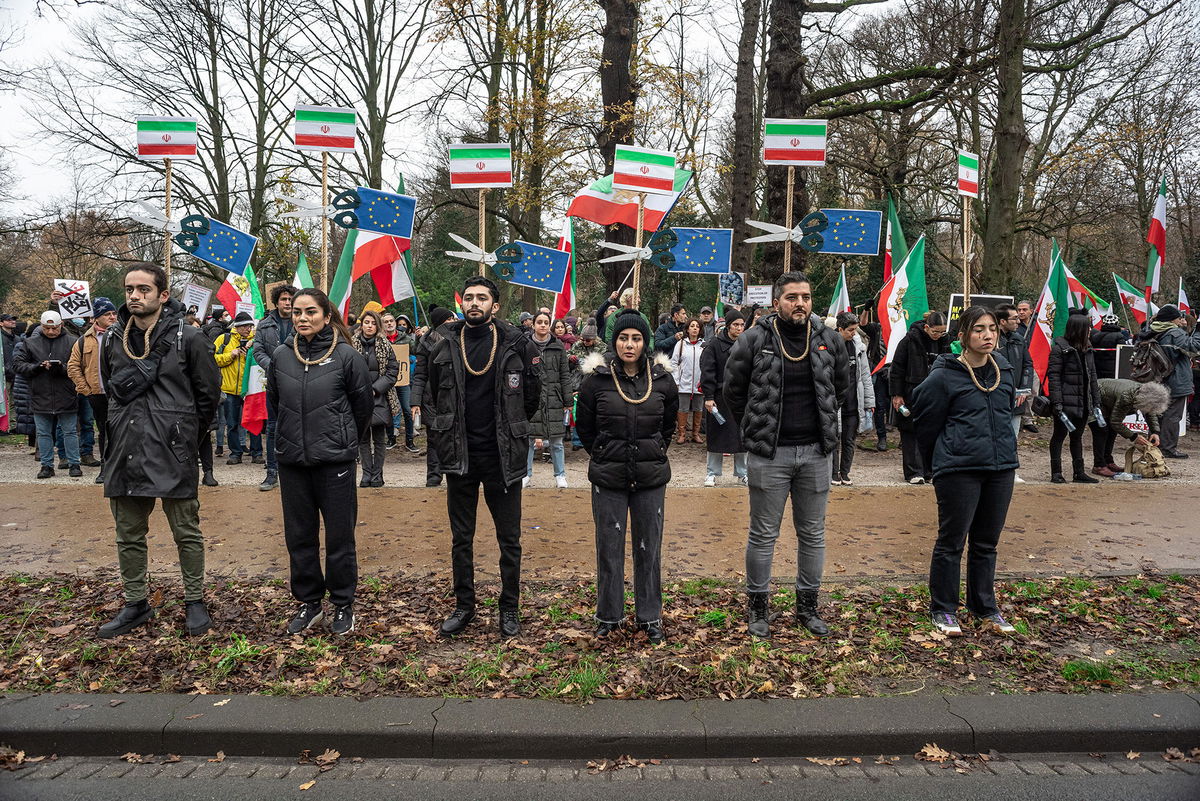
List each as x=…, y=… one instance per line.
x=324, y=221
x=637, y=263
x=787, y=243
x=482, y=226
x=966, y=257
x=166, y=232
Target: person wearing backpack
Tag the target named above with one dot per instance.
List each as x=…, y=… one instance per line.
x=1176, y=334
x=1074, y=392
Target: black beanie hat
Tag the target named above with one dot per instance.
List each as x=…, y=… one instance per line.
x=733, y=314
x=631, y=319
x=439, y=315
x=1168, y=314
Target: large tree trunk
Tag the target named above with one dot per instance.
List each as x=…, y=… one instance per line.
x=745, y=134
x=619, y=93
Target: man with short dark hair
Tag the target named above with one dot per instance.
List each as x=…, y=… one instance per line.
x=1015, y=349
x=481, y=389
x=785, y=380
x=671, y=331
x=272, y=332
x=53, y=399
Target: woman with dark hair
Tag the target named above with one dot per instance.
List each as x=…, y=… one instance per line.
x=383, y=370
x=625, y=415
x=962, y=413
x=723, y=437
x=562, y=332
x=1075, y=394
x=546, y=426
x=924, y=342
x=685, y=366
x=319, y=393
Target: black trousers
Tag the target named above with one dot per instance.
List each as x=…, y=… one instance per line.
x=311, y=494
x=843, y=455
x=433, y=470
x=1103, y=438
x=883, y=402
x=910, y=457
x=371, y=452
x=1056, y=443
x=504, y=503
x=971, y=504
x=206, y=452
x=99, y=404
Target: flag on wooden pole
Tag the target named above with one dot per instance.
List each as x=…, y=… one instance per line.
x=968, y=173
x=1053, y=307
x=166, y=137
x=565, y=301
x=325, y=128
x=1185, y=305
x=795, y=143
x=640, y=169
x=1157, y=237
x=482, y=166
x=303, y=278
x=601, y=203
x=902, y=301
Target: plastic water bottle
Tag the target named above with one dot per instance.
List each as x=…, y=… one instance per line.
x=1099, y=415
x=566, y=418
x=720, y=418
x=1066, y=421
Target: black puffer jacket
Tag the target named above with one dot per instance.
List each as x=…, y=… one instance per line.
x=960, y=427
x=910, y=366
x=721, y=438
x=627, y=441
x=20, y=415
x=555, y=377
x=51, y=390
x=420, y=374
x=1104, y=347
x=518, y=392
x=321, y=411
x=153, y=439
x=753, y=387
x=382, y=378
x=1071, y=376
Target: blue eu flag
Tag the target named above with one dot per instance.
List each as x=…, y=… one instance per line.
x=385, y=212
x=702, y=250
x=224, y=246
x=540, y=267
x=852, y=233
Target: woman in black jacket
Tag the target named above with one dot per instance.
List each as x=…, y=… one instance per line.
x=722, y=437
x=1075, y=393
x=924, y=342
x=963, y=418
x=319, y=394
x=383, y=369
x=625, y=416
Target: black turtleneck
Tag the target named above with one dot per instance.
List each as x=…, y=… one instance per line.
x=799, y=422
x=479, y=394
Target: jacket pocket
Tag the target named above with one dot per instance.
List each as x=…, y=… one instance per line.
x=519, y=428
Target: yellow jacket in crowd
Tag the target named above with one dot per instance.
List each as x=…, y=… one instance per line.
x=231, y=361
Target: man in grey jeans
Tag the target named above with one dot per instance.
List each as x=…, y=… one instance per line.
x=785, y=380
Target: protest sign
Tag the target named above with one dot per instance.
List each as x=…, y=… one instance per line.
x=75, y=298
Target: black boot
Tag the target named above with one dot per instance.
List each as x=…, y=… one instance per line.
x=759, y=613
x=129, y=618
x=806, y=613
x=209, y=479
x=270, y=482
x=510, y=623
x=881, y=442
x=459, y=619
x=1080, y=475
x=196, y=618
x=654, y=631
x=1056, y=473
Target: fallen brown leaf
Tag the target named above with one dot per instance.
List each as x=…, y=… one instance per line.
x=223, y=703
x=1133, y=754
x=933, y=753
x=170, y=759
x=308, y=785
x=220, y=757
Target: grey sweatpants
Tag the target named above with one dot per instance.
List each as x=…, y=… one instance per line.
x=644, y=511
x=1168, y=427
x=800, y=472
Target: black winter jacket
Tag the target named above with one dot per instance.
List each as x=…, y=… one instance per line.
x=721, y=438
x=664, y=337
x=153, y=440
x=269, y=335
x=20, y=419
x=753, y=387
x=911, y=364
x=321, y=411
x=518, y=392
x=554, y=375
x=382, y=378
x=51, y=390
x=960, y=427
x=1104, y=346
x=9, y=341
x=627, y=441
x=1016, y=353
x=421, y=351
x=213, y=329
x=1072, y=380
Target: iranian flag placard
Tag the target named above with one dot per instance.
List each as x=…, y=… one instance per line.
x=795, y=143
x=968, y=173
x=166, y=137
x=482, y=166
x=326, y=128
x=640, y=169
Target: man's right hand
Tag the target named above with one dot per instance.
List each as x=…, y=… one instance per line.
x=679, y=335
x=709, y=406
x=46, y=365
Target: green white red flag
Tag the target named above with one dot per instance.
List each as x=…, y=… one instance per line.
x=968, y=173
x=1185, y=305
x=392, y=279
x=254, y=378
x=166, y=137
x=303, y=278
x=1053, y=307
x=795, y=143
x=1157, y=237
x=895, y=248
x=325, y=128
x=640, y=169
x=841, y=296
x=565, y=300
x=482, y=166
x=903, y=300
x=1084, y=298
x=602, y=204
x=1134, y=299
x=362, y=253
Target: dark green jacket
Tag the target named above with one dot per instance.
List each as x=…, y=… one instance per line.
x=1118, y=400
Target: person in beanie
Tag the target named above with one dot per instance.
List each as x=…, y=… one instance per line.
x=785, y=380
x=438, y=317
x=962, y=414
x=53, y=397
x=1179, y=338
x=84, y=367
x=319, y=392
x=163, y=387
x=722, y=437
x=382, y=370
x=860, y=405
x=274, y=330
x=232, y=350
x=480, y=392
x=625, y=416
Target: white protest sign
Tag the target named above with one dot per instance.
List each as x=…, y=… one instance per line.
x=247, y=307
x=197, y=297
x=74, y=297
x=758, y=295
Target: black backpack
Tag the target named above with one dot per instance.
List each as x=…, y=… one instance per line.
x=1150, y=362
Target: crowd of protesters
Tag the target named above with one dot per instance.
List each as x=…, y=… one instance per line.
x=781, y=391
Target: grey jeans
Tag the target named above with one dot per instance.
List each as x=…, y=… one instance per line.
x=800, y=472
x=1168, y=427
x=644, y=511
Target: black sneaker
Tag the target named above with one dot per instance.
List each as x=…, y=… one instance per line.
x=1030, y=427
x=654, y=631
x=75, y=472
x=604, y=629
x=510, y=623
x=459, y=619
x=411, y=448
x=270, y=482
x=234, y=459
x=62, y=464
x=1175, y=454
x=343, y=620
x=257, y=460
x=219, y=451
x=46, y=472
x=391, y=443
x=307, y=616
x=196, y=618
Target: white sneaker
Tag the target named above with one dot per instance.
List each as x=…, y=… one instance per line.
x=710, y=481
x=836, y=482
x=1018, y=480
x=560, y=482
x=744, y=481
x=947, y=624
x=525, y=482
x=916, y=480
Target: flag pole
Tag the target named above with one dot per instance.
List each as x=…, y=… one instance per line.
x=482, y=226
x=1125, y=306
x=966, y=257
x=637, y=262
x=324, y=221
x=787, y=243
x=166, y=231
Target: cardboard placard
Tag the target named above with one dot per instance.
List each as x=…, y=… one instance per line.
x=758, y=295
x=403, y=377
x=75, y=298
x=196, y=297
x=266, y=295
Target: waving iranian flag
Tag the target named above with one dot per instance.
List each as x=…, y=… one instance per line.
x=1157, y=237
x=903, y=300
x=1053, y=306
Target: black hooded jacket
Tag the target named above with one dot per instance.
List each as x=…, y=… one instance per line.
x=1104, y=347
x=51, y=390
x=914, y=358
x=1071, y=375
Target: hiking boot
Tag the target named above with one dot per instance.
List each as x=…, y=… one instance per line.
x=806, y=613
x=654, y=631
x=307, y=616
x=343, y=620
x=1057, y=478
x=604, y=629
x=270, y=482
x=758, y=604
x=196, y=618
x=510, y=623
x=209, y=479
x=459, y=619
x=996, y=622
x=1081, y=477
x=89, y=461
x=75, y=472
x=881, y=444
x=62, y=464
x=234, y=459
x=46, y=472
x=947, y=624
x=129, y=618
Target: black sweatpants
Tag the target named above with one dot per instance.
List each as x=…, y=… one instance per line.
x=971, y=504
x=1076, y=440
x=910, y=457
x=99, y=404
x=311, y=494
x=843, y=454
x=504, y=503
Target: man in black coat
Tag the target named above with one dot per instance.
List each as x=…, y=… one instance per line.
x=785, y=380
x=163, y=386
x=480, y=391
x=671, y=331
x=53, y=399
x=438, y=317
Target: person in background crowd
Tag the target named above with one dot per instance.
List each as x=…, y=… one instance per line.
x=962, y=412
x=1120, y=398
x=53, y=398
x=589, y=342
x=1015, y=350
x=554, y=375
x=708, y=325
x=319, y=392
x=398, y=331
x=860, y=404
x=785, y=380
x=1104, y=345
x=404, y=325
x=722, y=437
x=1026, y=319
x=1179, y=338
x=480, y=392
x=8, y=341
x=685, y=368
x=562, y=332
x=272, y=331
x=232, y=349
x=876, y=353
x=1074, y=392
x=1194, y=404
x=671, y=331
x=438, y=316
x=20, y=413
x=606, y=315
x=924, y=342
x=626, y=408
x=351, y=321
x=219, y=324
x=525, y=320
x=84, y=369
x=382, y=370
x=162, y=385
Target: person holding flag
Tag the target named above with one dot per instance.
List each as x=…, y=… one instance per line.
x=232, y=349
x=274, y=329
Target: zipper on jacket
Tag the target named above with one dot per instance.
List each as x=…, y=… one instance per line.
x=303, y=412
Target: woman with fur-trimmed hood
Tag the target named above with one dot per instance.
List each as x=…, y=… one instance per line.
x=625, y=417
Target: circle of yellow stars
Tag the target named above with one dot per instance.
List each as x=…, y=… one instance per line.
x=390, y=204
x=212, y=244
x=852, y=240
x=697, y=240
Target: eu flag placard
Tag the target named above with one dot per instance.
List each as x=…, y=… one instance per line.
x=852, y=233
x=540, y=267
x=702, y=250
x=221, y=245
x=385, y=212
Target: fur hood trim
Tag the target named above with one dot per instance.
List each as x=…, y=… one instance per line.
x=596, y=362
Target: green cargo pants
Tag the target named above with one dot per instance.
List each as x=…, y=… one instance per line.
x=132, y=517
